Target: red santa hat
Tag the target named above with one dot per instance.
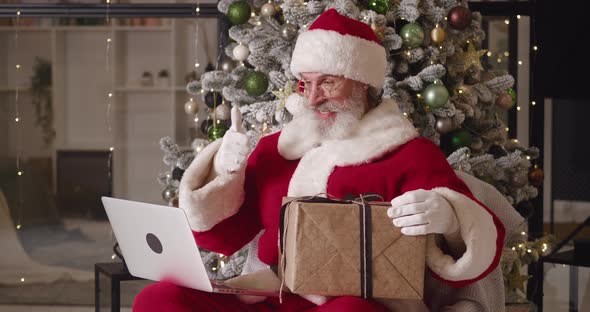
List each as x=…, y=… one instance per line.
x=339, y=45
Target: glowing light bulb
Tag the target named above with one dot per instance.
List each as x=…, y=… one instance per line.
x=17, y=66
x=507, y=21
x=533, y=103
x=111, y=148
x=22, y=279
x=20, y=173
x=197, y=64
x=18, y=226
x=16, y=119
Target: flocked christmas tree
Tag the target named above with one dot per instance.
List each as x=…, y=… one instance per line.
x=435, y=74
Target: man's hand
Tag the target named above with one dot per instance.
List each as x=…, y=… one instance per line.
x=422, y=212
x=234, y=148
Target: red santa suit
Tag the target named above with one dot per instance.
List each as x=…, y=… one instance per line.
x=383, y=156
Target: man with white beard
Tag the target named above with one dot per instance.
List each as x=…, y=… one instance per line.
x=342, y=141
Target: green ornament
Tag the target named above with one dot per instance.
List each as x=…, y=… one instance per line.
x=216, y=131
x=436, y=95
x=412, y=35
x=256, y=83
x=239, y=12
x=379, y=6
x=512, y=94
x=461, y=138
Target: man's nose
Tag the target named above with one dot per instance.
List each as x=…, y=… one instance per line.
x=314, y=99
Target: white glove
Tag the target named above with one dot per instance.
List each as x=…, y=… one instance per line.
x=234, y=148
x=422, y=212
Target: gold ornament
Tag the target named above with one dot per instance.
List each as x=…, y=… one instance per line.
x=504, y=101
x=437, y=34
x=471, y=57
x=516, y=280
x=283, y=94
x=265, y=129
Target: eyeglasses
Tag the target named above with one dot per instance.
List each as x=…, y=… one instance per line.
x=326, y=89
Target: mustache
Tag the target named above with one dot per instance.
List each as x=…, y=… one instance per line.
x=329, y=107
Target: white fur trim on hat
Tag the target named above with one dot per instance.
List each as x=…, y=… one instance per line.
x=330, y=52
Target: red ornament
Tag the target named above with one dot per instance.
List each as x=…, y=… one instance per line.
x=536, y=177
x=459, y=17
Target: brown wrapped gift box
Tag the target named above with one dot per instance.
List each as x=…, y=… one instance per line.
x=323, y=252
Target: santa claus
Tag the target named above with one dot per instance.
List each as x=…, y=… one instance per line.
x=342, y=140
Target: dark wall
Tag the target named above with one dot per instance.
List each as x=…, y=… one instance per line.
x=571, y=150
x=562, y=31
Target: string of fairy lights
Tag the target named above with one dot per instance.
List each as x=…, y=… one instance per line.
x=110, y=93
x=18, y=127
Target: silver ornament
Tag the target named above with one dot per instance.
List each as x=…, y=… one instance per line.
x=168, y=194
x=191, y=107
x=444, y=125
x=227, y=66
x=241, y=52
x=288, y=31
x=268, y=9
x=223, y=111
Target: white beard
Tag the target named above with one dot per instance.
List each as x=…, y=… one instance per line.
x=344, y=125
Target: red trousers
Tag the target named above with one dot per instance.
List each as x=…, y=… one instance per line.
x=167, y=297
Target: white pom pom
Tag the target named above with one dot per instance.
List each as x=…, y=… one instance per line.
x=295, y=104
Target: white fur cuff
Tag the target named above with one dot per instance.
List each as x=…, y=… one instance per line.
x=479, y=234
x=207, y=204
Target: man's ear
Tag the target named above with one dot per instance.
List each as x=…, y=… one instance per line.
x=300, y=86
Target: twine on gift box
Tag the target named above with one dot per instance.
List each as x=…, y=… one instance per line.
x=365, y=232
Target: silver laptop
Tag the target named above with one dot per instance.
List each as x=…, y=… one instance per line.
x=157, y=244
